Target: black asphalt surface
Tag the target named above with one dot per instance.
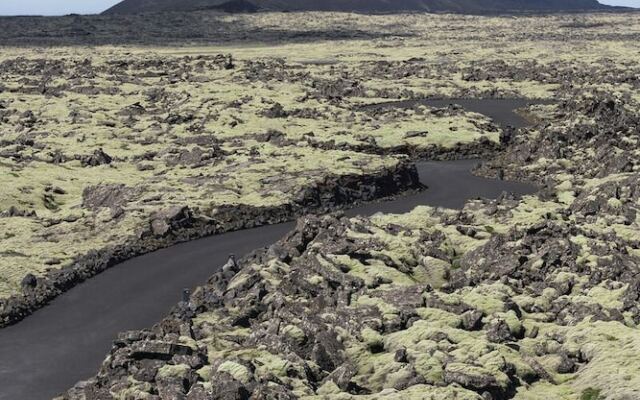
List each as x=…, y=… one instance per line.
x=449, y=184
x=67, y=340
x=500, y=110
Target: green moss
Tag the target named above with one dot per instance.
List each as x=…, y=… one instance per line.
x=315, y=279
x=590, y=394
x=431, y=368
x=172, y=371
x=135, y=390
x=328, y=388
x=384, y=307
x=432, y=271
x=416, y=392
x=512, y=320
x=373, y=339
x=205, y=373
x=267, y=363
x=545, y=390
x=238, y=371
x=475, y=373
x=271, y=177
x=439, y=317
x=374, y=272
x=614, y=203
x=487, y=298
x=256, y=173
x=295, y=333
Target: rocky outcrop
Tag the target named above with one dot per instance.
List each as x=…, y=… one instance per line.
x=179, y=223
x=603, y=124
x=481, y=149
x=350, y=307
x=111, y=196
x=505, y=298
x=99, y=157
x=14, y=211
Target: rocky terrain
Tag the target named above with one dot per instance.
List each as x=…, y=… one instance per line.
x=368, y=6
x=114, y=152
x=110, y=152
x=115, y=164
x=532, y=298
x=207, y=27
x=434, y=303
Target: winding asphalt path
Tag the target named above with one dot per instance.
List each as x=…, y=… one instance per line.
x=67, y=340
x=499, y=110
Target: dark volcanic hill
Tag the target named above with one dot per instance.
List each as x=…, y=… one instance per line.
x=457, y=6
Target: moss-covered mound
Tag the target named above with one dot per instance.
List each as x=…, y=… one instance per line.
x=433, y=303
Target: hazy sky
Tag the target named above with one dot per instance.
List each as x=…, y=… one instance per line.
x=628, y=3
x=60, y=7
x=54, y=7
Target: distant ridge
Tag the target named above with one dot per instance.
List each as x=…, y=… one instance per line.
x=367, y=6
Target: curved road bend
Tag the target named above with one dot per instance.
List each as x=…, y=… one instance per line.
x=67, y=340
x=500, y=111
